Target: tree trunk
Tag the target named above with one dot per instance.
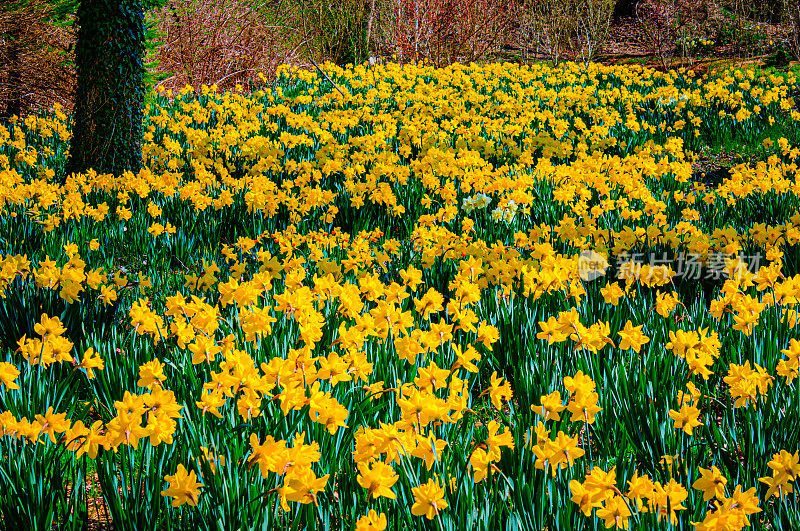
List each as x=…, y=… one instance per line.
x=625, y=9
x=14, y=40
x=370, y=16
x=106, y=135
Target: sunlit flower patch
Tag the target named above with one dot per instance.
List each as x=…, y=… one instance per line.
x=481, y=297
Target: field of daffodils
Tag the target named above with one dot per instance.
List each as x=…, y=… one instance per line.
x=488, y=297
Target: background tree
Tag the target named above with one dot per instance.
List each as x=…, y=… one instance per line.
x=335, y=29
x=109, y=56
x=35, y=39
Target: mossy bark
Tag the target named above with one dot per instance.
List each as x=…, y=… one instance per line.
x=109, y=56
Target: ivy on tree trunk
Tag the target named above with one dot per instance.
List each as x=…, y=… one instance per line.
x=14, y=56
x=107, y=129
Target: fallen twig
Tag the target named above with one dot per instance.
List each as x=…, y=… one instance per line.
x=313, y=62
